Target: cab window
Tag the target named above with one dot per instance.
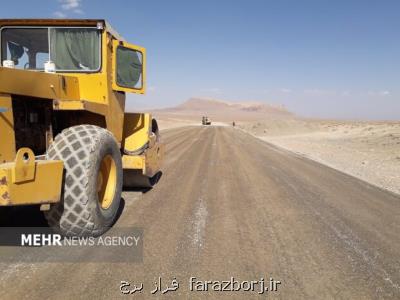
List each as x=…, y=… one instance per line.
x=129, y=68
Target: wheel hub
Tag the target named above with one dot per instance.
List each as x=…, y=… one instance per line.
x=106, y=181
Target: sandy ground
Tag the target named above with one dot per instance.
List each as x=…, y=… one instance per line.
x=367, y=150
x=229, y=204
x=169, y=123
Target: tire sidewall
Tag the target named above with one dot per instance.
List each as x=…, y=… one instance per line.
x=106, y=145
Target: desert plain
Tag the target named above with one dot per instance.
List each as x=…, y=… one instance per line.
x=368, y=150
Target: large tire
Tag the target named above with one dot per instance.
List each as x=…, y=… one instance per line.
x=92, y=184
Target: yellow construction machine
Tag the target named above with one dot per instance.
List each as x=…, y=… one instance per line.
x=66, y=143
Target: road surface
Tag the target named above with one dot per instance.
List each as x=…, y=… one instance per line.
x=229, y=205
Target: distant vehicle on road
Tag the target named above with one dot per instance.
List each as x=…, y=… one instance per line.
x=206, y=120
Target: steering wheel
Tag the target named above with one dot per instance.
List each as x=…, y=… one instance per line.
x=26, y=66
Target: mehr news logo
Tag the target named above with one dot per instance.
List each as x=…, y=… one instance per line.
x=54, y=239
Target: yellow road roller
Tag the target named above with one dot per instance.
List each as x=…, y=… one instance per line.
x=66, y=142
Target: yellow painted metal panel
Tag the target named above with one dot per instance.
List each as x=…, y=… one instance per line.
x=38, y=84
x=150, y=162
x=133, y=162
x=153, y=159
x=94, y=87
x=98, y=108
x=7, y=141
x=136, y=132
x=24, y=166
x=45, y=187
x=138, y=137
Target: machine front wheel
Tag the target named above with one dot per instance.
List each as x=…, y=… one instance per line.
x=92, y=184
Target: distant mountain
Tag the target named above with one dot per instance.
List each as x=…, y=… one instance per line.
x=226, y=110
x=203, y=104
x=223, y=111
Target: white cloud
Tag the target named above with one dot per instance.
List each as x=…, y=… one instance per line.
x=379, y=93
x=384, y=93
x=59, y=14
x=69, y=6
x=285, y=90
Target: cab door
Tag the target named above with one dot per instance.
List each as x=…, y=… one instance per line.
x=129, y=67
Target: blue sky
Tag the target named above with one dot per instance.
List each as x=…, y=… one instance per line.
x=332, y=59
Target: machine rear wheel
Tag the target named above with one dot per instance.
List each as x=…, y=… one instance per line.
x=135, y=179
x=92, y=184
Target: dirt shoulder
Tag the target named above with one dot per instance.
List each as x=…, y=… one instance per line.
x=367, y=150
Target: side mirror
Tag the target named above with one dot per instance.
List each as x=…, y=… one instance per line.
x=129, y=63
